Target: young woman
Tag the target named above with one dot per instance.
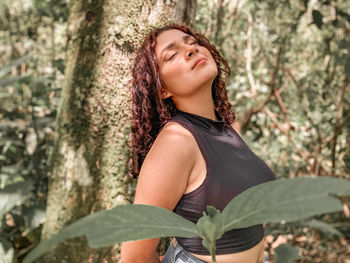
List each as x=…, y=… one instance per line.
x=186, y=153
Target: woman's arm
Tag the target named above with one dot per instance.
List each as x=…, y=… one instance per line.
x=162, y=181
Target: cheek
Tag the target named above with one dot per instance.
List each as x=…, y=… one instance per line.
x=172, y=72
x=208, y=54
x=212, y=61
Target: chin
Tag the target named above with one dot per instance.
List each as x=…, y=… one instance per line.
x=212, y=73
x=207, y=76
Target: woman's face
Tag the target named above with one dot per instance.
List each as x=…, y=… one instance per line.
x=176, y=64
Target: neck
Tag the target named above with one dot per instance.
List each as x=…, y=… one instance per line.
x=200, y=104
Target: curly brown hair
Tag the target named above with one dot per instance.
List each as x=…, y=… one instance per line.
x=150, y=112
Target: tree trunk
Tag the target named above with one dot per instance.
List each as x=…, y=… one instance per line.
x=88, y=165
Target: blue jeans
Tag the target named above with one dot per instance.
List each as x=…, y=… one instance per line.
x=178, y=255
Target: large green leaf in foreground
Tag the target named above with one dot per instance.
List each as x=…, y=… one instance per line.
x=274, y=201
x=122, y=223
x=284, y=200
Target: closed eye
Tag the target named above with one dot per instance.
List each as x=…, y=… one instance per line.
x=195, y=42
x=171, y=57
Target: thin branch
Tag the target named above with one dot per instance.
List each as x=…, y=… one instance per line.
x=234, y=15
x=337, y=126
x=219, y=18
x=277, y=94
x=345, y=120
x=254, y=110
x=249, y=56
x=317, y=152
x=272, y=83
x=285, y=131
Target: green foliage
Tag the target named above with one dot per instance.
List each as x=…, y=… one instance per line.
x=300, y=49
x=314, y=42
x=286, y=253
x=210, y=229
x=14, y=194
x=274, y=201
x=32, y=42
x=122, y=223
x=284, y=199
x=6, y=251
x=11, y=196
x=324, y=227
x=347, y=66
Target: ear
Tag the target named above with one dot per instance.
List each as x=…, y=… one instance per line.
x=165, y=94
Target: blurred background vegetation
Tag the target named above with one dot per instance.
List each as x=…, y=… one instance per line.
x=290, y=90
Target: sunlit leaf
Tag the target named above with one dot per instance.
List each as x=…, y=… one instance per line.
x=14, y=194
x=6, y=251
x=18, y=61
x=33, y=216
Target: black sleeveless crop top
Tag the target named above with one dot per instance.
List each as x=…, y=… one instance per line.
x=231, y=168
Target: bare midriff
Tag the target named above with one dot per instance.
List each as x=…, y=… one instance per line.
x=252, y=255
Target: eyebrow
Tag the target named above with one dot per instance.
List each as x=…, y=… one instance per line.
x=185, y=37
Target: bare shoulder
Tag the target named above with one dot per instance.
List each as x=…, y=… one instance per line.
x=174, y=128
x=167, y=166
x=176, y=138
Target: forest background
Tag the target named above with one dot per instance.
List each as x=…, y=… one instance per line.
x=289, y=87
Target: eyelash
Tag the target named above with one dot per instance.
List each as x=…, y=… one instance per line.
x=195, y=42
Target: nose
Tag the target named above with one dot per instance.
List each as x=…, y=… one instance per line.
x=190, y=51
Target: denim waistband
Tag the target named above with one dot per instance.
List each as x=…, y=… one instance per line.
x=177, y=254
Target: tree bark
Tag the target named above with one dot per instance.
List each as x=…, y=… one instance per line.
x=88, y=164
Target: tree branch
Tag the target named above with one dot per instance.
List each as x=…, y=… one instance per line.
x=337, y=125
x=285, y=131
x=254, y=110
x=277, y=94
x=249, y=56
x=316, y=164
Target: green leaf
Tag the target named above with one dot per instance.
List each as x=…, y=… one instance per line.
x=122, y=223
x=323, y=227
x=10, y=80
x=210, y=229
x=33, y=216
x=14, y=63
x=14, y=194
x=6, y=251
x=284, y=200
x=286, y=253
x=273, y=201
x=59, y=64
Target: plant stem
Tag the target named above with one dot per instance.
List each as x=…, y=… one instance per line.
x=213, y=255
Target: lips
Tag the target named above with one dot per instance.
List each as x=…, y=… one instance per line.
x=198, y=60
